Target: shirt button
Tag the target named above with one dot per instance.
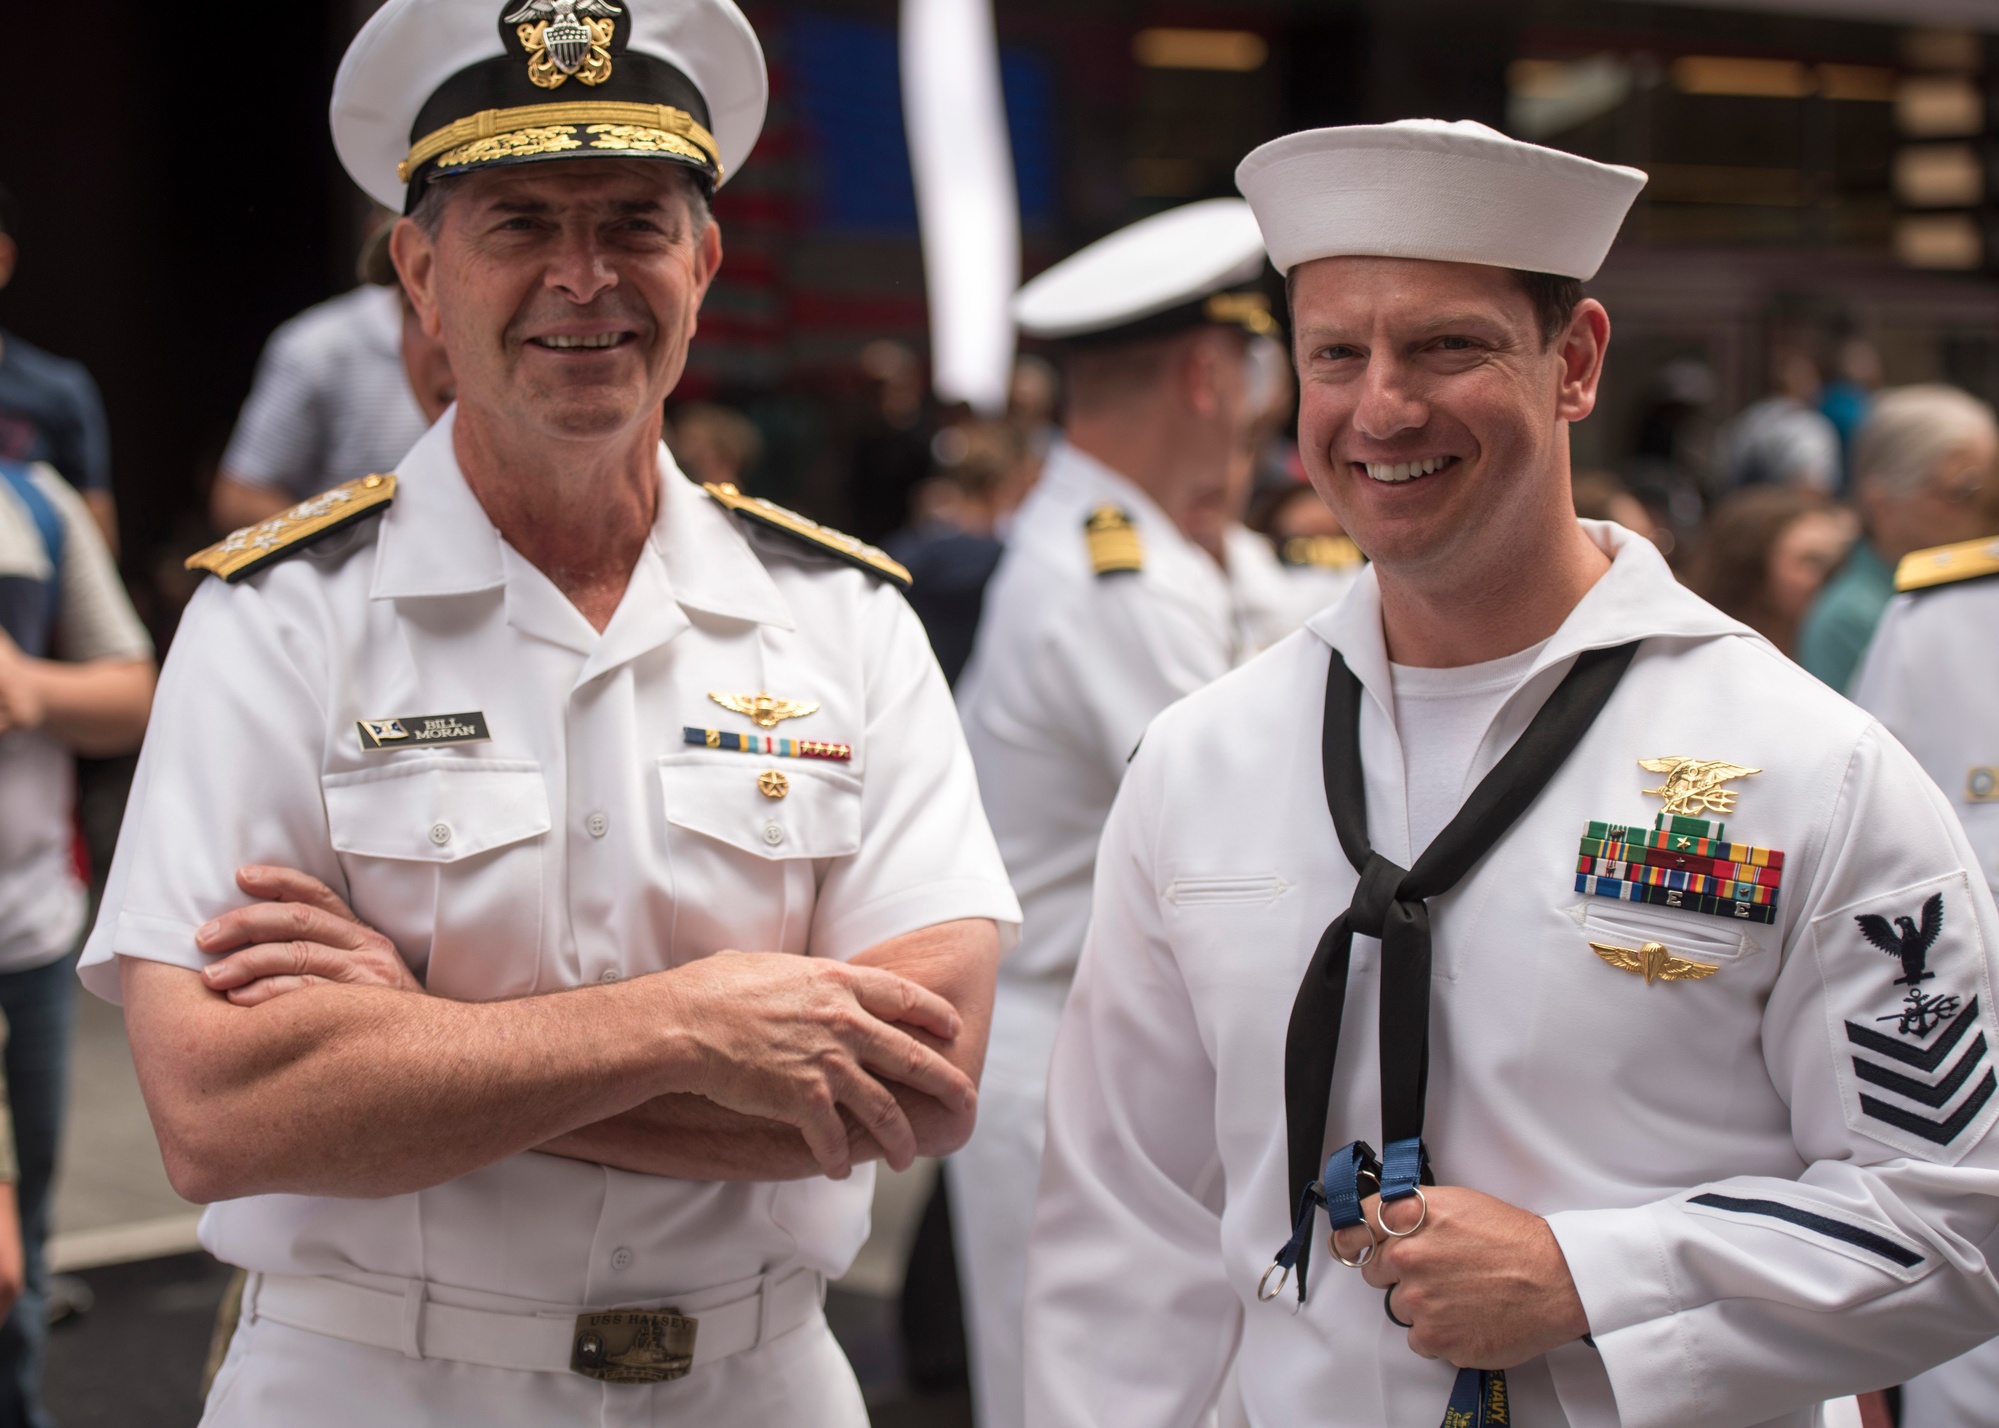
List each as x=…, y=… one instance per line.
x=773, y=835
x=440, y=833
x=609, y=974
x=621, y=1259
x=598, y=825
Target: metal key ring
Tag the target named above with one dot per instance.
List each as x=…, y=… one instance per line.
x=1366, y=1255
x=1388, y=1308
x=1283, y=1273
x=1381, y=1215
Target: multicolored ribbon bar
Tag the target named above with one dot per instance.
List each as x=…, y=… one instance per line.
x=770, y=744
x=1737, y=908
x=1684, y=840
x=1680, y=866
x=1676, y=879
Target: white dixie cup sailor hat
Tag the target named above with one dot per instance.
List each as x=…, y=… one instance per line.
x=1179, y=269
x=1451, y=192
x=435, y=87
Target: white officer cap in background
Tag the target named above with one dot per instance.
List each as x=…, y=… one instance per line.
x=1187, y=266
x=435, y=87
x=1424, y=188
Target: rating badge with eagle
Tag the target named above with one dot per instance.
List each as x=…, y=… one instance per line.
x=1917, y=1047
x=566, y=39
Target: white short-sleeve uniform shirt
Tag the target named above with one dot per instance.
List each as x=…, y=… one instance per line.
x=1774, y=1185
x=1931, y=675
x=585, y=842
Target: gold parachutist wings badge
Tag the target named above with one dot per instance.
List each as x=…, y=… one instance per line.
x=1653, y=962
x=765, y=711
x=1692, y=786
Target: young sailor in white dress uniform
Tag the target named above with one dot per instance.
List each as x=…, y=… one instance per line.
x=1525, y=888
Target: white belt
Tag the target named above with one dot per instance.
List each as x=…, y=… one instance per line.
x=618, y=1346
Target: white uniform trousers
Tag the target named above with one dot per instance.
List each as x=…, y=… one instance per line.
x=275, y=1374
x=993, y=1181
x=1963, y=1393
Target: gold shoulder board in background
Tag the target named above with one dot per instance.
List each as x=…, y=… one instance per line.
x=1948, y=564
x=1322, y=552
x=1114, y=543
x=289, y=532
x=823, y=538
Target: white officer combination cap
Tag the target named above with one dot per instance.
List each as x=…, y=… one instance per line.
x=1452, y=192
x=1177, y=269
x=438, y=87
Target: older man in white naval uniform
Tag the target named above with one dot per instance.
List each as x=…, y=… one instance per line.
x=1523, y=835
x=498, y=1136
x=1104, y=610
x=1929, y=675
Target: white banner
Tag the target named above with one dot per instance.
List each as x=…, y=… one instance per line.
x=955, y=113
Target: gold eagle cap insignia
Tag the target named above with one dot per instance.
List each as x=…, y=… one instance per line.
x=765, y=711
x=1653, y=962
x=1693, y=786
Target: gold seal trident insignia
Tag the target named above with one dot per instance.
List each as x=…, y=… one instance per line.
x=763, y=710
x=1693, y=786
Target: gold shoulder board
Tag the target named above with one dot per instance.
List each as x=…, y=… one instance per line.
x=1114, y=543
x=1322, y=552
x=823, y=538
x=289, y=532
x=1948, y=564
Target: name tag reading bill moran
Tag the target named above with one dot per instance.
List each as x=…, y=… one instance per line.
x=423, y=730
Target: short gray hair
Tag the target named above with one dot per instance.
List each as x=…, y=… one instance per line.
x=1910, y=430
x=429, y=211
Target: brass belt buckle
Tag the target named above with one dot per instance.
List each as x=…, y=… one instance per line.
x=633, y=1345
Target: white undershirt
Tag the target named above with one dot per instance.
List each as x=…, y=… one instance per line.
x=1441, y=716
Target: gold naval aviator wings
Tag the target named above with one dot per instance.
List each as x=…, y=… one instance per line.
x=249, y=550
x=841, y=547
x=766, y=711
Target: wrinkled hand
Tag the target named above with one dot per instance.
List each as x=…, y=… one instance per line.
x=802, y=1039
x=21, y=705
x=297, y=933
x=1483, y=1282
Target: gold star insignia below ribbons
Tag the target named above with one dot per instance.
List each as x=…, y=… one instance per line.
x=764, y=710
x=1694, y=785
x=249, y=550
x=1653, y=962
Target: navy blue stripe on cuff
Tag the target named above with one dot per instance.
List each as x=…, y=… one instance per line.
x=1818, y=1224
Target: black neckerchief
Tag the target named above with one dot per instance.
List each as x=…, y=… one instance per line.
x=1389, y=903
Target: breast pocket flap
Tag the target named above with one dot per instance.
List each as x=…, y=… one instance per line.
x=435, y=811
x=775, y=808
x=1684, y=934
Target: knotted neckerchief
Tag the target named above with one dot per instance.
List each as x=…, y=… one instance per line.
x=1390, y=903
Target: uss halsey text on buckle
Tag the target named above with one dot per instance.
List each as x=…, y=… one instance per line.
x=633, y=1346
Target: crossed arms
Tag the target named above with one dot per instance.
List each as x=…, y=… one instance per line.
x=308, y=1061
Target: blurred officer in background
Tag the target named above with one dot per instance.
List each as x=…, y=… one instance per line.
x=503, y=747
x=76, y=677
x=1932, y=676
x=1925, y=472
x=1105, y=609
x=1657, y=1144
x=333, y=399
x=49, y=407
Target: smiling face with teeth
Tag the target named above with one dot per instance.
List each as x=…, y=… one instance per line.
x=1433, y=417
x=566, y=294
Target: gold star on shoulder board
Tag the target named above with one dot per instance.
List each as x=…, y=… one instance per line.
x=1653, y=962
x=764, y=710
